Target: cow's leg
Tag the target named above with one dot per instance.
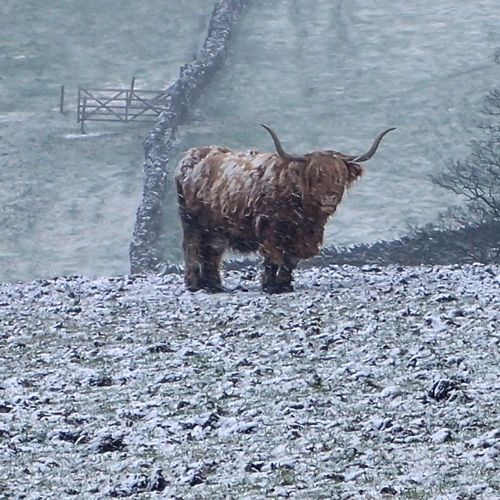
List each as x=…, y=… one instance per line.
x=269, y=276
x=284, y=276
x=191, y=246
x=211, y=254
x=284, y=279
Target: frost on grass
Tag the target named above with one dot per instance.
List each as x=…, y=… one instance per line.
x=364, y=383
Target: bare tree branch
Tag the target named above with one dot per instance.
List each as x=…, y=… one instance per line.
x=477, y=178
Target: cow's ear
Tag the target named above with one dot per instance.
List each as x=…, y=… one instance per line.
x=355, y=171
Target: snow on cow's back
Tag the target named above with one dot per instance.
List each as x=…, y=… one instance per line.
x=238, y=169
x=221, y=169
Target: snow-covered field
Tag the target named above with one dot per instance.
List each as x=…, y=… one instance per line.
x=364, y=383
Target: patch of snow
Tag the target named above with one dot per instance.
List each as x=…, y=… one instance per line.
x=109, y=385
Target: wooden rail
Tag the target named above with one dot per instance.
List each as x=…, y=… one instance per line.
x=118, y=105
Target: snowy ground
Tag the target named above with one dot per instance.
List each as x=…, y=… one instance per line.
x=364, y=383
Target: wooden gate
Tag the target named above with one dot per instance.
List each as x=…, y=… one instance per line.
x=118, y=105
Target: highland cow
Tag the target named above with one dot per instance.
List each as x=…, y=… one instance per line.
x=276, y=204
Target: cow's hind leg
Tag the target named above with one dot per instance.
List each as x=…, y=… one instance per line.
x=191, y=246
x=211, y=257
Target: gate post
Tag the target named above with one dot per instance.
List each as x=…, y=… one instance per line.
x=82, y=119
x=61, y=101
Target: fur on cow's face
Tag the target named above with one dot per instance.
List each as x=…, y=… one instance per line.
x=290, y=222
x=276, y=204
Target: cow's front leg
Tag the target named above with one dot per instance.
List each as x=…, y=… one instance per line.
x=192, y=269
x=284, y=276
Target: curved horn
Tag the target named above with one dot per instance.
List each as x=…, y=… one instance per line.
x=366, y=156
x=279, y=148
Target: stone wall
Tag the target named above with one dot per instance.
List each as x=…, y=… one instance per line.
x=145, y=253
x=426, y=246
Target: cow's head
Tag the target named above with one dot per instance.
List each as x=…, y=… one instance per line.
x=323, y=176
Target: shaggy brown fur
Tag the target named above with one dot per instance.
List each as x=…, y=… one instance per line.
x=276, y=204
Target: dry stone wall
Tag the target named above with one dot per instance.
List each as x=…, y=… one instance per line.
x=145, y=253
